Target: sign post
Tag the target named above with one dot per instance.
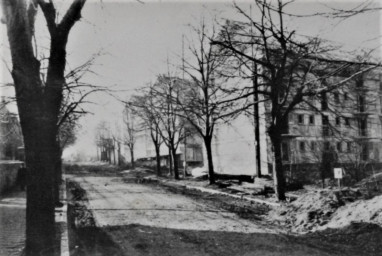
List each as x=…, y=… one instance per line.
x=338, y=174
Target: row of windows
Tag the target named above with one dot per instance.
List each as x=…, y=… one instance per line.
x=304, y=146
x=360, y=105
x=325, y=120
x=340, y=147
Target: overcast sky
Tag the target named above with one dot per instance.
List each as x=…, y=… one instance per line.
x=136, y=40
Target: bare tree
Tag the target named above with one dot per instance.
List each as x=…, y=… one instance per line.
x=75, y=95
x=207, y=99
x=171, y=125
x=129, y=138
x=145, y=108
x=117, y=143
x=104, y=141
x=291, y=68
x=39, y=102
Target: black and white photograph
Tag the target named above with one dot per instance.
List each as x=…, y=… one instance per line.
x=190, y=127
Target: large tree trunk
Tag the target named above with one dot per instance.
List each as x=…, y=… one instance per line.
x=38, y=118
x=157, y=153
x=211, y=172
x=279, y=180
x=41, y=164
x=176, y=166
x=39, y=105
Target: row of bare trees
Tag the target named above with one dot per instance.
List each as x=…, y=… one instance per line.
x=260, y=48
x=289, y=69
x=157, y=113
x=230, y=67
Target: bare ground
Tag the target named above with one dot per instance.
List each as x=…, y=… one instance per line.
x=138, y=239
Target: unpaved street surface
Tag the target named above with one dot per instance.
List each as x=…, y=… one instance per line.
x=115, y=203
x=146, y=219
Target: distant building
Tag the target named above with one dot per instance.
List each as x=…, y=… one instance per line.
x=11, y=141
x=234, y=148
x=342, y=128
x=189, y=153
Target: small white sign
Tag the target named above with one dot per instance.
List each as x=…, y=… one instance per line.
x=338, y=173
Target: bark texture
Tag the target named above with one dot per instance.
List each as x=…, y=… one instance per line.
x=38, y=105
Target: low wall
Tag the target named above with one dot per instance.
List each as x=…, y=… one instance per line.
x=8, y=174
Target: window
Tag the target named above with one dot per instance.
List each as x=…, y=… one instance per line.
x=285, y=151
x=361, y=103
x=336, y=97
x=300, y=119
x=302, y=146
x=313, y=146
x=364, y=152
x=324, y=101
x=346, y=96
x=311, y=119
x=326, y=145
x=348, y=146
x=325, y=125
x=362, y=126
x=325, y=120
x=338, y=121
x=347, y=121
x=339, y=146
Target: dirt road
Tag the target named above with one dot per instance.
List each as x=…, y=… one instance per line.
x=139, y=219
x=114, y=203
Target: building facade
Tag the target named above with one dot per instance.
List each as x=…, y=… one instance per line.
x=341, y=128
x=189, y=152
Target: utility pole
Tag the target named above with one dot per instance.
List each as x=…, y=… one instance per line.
x=256, y=120
x=256, y=106
x=185, y=132
x=185, y=155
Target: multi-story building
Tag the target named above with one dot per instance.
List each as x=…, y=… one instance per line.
x=341, y=128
